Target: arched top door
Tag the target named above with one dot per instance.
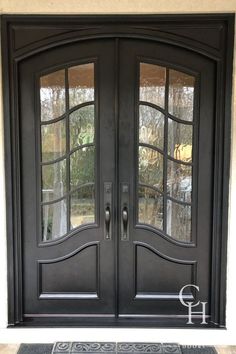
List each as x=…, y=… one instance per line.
x=116, y=138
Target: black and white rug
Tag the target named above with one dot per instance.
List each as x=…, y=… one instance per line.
x=113, y=348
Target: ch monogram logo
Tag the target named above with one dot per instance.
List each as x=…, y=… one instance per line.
x=190, y=305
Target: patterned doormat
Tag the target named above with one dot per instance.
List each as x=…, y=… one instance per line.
x=113, y=348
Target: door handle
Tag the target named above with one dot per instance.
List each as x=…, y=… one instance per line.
x=107, y=210
x=125, y=223
x=107, y=222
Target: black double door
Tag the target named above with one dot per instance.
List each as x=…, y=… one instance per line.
x=117, y=150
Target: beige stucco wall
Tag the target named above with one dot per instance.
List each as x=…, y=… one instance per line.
x=116, y=6
x=154, y=335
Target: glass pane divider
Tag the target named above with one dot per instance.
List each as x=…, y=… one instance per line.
x=71, y=192
x=51, y=162
x=67, y=147
x=55, y=200
x=71, y=110
x=165, y=153
x=67, y=155
x=79, y=147
x=177, y=201
x=51, y=121
x=152, y=147
x=178, y=120
x=79, y=106
x=80, y=187
x=152, y=105
x=151, y=187
x=179, y=161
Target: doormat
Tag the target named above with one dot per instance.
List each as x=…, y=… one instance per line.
x=113, y=348
x=128, y=348
x=35, y=349
x=198, y=349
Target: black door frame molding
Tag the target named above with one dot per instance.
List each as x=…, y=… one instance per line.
x=180, y=30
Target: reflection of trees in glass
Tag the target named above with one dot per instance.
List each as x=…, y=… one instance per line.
x=53, y=140
x=180, y=141
x=54, y=222
x=150, y=207
x=151, y=131
x=54, y=180
x=151, y=126
x=179, y=181
x=150, y=167
x=54, y=176
x=82, y=167
x=153, y=94
x=83, y=206
x=179, y=221
x=82, y=126
x=78, y=95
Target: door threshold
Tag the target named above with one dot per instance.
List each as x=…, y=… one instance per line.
x=98, y=321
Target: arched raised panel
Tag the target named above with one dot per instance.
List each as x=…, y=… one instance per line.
x=160, y=277
x=74, y=276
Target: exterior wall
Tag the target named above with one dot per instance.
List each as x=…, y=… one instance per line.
x=184, y=336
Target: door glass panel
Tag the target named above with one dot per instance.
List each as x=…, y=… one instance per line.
x=54, y=181
x=180, y=140
x=54, y=221
x=52, y=95
x=181, y=95
x=81, y=84
x=67, y=150
x=165, y=139
x=150, y=167
x=150, y=207
x=53, y=140
x=82, y=126
x=82, y=167
x=82, y=204
x=179, y=221
x=179, y=181
x=151, y=126
x=152, y=84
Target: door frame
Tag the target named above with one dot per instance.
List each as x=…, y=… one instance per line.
x=179, y=30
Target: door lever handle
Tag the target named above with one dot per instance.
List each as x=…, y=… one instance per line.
x=125, y=223
x=107, y=222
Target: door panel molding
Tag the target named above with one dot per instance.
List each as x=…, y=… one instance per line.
x=54, y=31
x=56, y=294
x=152, y=295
